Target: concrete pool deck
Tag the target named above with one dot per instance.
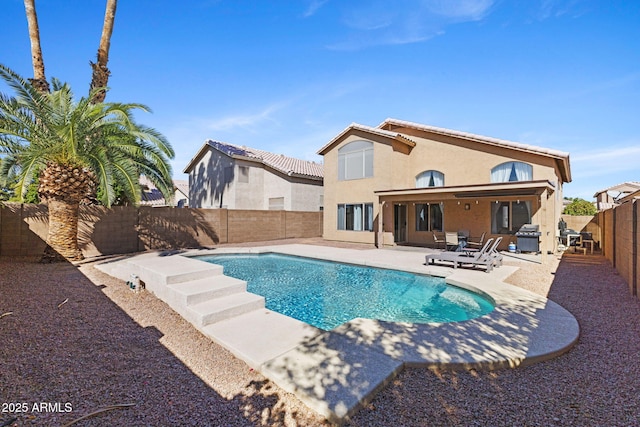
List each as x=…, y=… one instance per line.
x=337, y=372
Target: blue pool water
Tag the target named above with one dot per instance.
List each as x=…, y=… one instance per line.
x=327, y=294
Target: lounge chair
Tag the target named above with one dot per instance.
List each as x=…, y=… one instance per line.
x=481, y=257
x=497, y=256
x=491, y=258
x=477, y=244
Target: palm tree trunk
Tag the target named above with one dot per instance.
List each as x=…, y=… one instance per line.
x=101, y=73
x=39, y=80
x=63, y=228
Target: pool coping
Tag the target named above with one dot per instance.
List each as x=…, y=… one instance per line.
x=337, y=372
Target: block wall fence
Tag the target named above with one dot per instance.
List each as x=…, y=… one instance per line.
x=616, y=232
x=102, y=231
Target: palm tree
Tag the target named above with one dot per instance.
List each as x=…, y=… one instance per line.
x=74, y=147
x=39, y=80
x=101, y=73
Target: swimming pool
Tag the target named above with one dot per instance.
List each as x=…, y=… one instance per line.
x=327, y=294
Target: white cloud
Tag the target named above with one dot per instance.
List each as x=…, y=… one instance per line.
x=556, y=8
x=595, y=170
x=246, y=120
x=313, y=7
x=460, y=10
x=375, y=23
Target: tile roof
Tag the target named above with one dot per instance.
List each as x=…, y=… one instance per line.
x=479, y=138
x=151, y=196
x=389, y=129
x=182, y=186
x=377, y=131
x=625, y=187
x=287, y=165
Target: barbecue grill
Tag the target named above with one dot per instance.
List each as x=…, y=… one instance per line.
x=529, y=238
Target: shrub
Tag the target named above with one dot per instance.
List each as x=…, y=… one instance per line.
x=580, y=207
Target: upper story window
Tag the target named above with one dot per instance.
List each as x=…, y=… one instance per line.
x=512, y=171
x=243, y=174
x=430, y=178
x=355, y=160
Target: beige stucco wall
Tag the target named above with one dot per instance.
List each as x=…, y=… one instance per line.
x=358, y=190
x=462, y=163
x=305, y=197
x=208, y=183
x=211, y=187
x=248, y=195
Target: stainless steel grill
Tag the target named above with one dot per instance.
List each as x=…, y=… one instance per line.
x=529, y=238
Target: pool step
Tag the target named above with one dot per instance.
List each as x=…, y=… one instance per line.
x=201, y=290
x=217, y=309
x=178, y=270
x=260, y=335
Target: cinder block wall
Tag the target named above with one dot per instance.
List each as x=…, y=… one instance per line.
x=586, y=223
x=621, y=243
x=102, y=231
x=19, y=237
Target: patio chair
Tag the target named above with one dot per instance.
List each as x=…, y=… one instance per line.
x=481, y=257
x=477, y=244
x=451, y=239
x=438, y=241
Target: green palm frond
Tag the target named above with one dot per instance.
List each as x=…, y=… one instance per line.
x=37, y=128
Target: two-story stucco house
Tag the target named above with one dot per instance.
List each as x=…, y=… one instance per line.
x=401, y=181
x=223, y=175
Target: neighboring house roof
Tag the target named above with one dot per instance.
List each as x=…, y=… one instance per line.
x=622, y=189
x=151, y=196
x=288, y=165
x=624, y=192
x=629, y=197
x=389, y=126
x=182, y=186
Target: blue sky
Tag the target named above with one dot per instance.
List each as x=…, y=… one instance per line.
x=287, y=76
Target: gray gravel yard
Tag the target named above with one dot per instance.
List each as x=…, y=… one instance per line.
x=79, y=341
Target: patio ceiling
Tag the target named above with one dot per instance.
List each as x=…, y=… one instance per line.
x=505, y=189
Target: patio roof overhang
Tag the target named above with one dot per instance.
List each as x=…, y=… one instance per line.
x=503, y=189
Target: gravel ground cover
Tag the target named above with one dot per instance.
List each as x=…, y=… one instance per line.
x=74, y=341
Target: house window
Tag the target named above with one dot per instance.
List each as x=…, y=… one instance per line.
x=243, y=174
x=356, y=217
x=355, y=161
x=276, y=203
x=429, y=217
x=430, y=179
x=508, y=217
x=512, y=171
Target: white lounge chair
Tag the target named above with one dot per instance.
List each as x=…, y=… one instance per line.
x=497, y=256
x=481, y=257
x=492, y=258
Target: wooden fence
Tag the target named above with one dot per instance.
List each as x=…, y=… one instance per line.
x=102, y=231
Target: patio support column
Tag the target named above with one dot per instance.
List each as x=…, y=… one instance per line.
x=380, y=225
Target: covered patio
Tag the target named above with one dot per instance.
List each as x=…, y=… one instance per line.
x=413, y=216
